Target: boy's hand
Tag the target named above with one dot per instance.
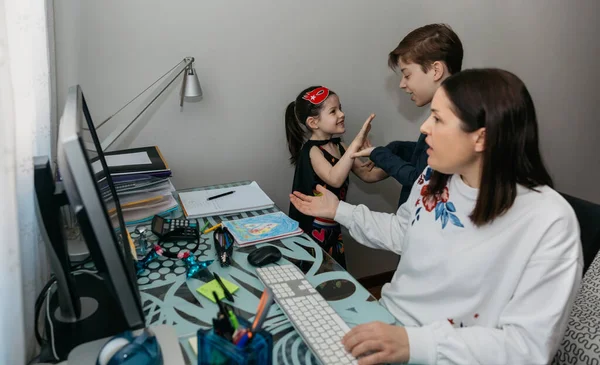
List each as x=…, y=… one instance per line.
x=362, y=136
x=363, y=153
x=369, y=165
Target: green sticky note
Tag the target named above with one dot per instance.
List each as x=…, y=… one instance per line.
x=213, y=286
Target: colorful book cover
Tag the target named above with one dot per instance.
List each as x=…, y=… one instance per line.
x=262, y=228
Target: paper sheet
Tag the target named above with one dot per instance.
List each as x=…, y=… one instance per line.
x=136, y=158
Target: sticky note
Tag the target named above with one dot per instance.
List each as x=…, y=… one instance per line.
x=213, y=286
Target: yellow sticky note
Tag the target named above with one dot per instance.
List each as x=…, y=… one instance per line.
x=213, y=286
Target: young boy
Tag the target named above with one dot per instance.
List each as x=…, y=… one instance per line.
x=426, y=57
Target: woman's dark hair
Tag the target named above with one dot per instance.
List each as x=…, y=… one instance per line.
x=296, y=114
x=498, y=101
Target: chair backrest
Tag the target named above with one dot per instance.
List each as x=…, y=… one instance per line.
x=581, y=342
x=588, y=215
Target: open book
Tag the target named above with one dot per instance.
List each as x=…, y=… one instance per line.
x=262, y=228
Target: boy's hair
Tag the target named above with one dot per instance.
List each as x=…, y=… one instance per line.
x=427, y=44
x=296, y=114
x=498, y=101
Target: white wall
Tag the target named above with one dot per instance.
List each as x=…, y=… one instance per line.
x=253, y=57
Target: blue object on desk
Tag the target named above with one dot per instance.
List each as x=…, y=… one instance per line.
x=128, y=349
x=214, y=349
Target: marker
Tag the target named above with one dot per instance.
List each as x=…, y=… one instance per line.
x=206, y=225
x=220, y=195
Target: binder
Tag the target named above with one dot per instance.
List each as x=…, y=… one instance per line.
x=127, y=164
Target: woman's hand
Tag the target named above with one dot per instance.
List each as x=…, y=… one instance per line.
x=377, y=343
x=362, y=136
x=323, y=206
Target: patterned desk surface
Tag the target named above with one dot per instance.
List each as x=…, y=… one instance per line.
x=168, y=298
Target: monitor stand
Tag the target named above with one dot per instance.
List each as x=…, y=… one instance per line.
x=100, y=317
x=78, y=250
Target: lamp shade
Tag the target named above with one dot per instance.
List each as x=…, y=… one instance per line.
x=192, y=90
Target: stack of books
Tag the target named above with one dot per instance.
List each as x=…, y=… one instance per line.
x=142, y=181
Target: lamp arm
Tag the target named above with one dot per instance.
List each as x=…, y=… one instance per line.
x=187, y=60
x=117, y=133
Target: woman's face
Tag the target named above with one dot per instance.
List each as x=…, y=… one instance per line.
x=451, y=149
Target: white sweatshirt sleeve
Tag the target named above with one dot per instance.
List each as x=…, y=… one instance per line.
x=533, y=323
x=374, y=229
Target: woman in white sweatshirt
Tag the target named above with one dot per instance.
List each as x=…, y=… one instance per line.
x=491, y=255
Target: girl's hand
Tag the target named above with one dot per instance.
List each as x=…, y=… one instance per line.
x=378, y=343
x=324, y=206
x=362, y=136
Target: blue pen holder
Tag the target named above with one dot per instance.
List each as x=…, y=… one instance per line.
x=217, y=350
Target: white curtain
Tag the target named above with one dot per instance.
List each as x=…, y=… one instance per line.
x=27, y=124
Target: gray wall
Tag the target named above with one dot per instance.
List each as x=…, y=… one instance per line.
x=253, y=57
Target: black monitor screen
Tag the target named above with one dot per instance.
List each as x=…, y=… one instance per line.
x=108, y=192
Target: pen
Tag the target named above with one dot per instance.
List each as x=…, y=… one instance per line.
x=228, y=237
x=225, y=290
x=220, y=195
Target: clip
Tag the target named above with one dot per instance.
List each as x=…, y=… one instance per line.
x=317, y=96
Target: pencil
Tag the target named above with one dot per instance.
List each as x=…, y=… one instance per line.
x=212, y=228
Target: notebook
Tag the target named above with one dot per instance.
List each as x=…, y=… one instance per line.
x=245, y=198
x=262, y=228
x=132, y=162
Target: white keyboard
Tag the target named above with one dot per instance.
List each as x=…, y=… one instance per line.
x=319, y=325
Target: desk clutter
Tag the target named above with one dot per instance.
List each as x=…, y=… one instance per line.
x=142, y=181
x=233, y=340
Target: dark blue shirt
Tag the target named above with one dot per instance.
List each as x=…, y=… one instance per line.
x=404, y=161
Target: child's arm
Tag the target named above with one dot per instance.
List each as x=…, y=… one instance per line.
x=336, y=175
x=366, y=173
x=331, y=175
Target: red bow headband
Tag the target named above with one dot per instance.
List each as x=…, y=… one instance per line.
x=317, y=96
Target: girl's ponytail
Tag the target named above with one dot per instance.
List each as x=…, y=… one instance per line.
x=293, y=132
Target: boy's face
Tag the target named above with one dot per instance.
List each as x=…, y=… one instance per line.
x=420, y=85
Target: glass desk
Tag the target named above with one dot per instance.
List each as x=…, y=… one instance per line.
x=168, y=298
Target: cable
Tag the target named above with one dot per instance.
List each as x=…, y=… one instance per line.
x=47, y=296
x=38, y=305
x=75, y=265
x=50, y=323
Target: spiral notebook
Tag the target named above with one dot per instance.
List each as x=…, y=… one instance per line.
x=262, y=228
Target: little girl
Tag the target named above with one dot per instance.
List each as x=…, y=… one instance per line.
x=323, y=160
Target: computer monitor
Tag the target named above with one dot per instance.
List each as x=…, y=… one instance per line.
x=107, y=239
x=110, y=300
